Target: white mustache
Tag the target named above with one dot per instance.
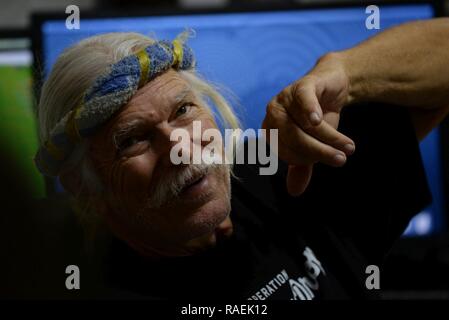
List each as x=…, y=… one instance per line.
x=172, y=184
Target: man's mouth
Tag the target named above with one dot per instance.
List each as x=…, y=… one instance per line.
x=196, y=186
x=194, y=181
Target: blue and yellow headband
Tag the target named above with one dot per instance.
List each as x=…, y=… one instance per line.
x=107, y=95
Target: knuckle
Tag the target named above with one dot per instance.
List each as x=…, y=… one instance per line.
x=274, y=109
x=302, y=90
x=299, y=88
x=270, y=107
x=280, y=97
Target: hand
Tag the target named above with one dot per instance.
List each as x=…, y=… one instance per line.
x=307, y=113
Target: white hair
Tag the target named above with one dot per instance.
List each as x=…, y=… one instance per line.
x=80, y=65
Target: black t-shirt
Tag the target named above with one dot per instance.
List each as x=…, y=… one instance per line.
x=316, y=246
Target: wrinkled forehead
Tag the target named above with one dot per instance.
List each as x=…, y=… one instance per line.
x=152, y=102
x=164, y=91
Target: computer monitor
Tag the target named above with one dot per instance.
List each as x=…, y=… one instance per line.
x=17, y=119
x=257, y=53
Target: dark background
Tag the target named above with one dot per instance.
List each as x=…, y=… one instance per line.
x=39, y=238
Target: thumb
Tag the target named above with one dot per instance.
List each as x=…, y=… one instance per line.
x=298, y=178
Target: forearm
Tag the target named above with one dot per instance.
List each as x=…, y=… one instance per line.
x=406, y=65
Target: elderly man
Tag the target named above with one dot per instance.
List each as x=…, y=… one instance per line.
x=106, y=115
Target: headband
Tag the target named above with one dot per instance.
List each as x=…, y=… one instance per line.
x=106, y=96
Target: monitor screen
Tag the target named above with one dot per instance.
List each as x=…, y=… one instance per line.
x=17, y=119
x=256, y=54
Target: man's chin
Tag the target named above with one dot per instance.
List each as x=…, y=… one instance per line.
x=207, y=218
x=176, y=233
x=208, y=240
x=205, y=212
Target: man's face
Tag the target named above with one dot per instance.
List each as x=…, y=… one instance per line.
x=154, y=205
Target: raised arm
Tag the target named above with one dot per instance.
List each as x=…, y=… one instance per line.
x=407, y=65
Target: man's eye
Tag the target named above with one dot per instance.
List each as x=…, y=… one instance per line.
x=183, y=109
x=128, y=142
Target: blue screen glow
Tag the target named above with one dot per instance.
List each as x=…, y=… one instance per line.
x=255, y=55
